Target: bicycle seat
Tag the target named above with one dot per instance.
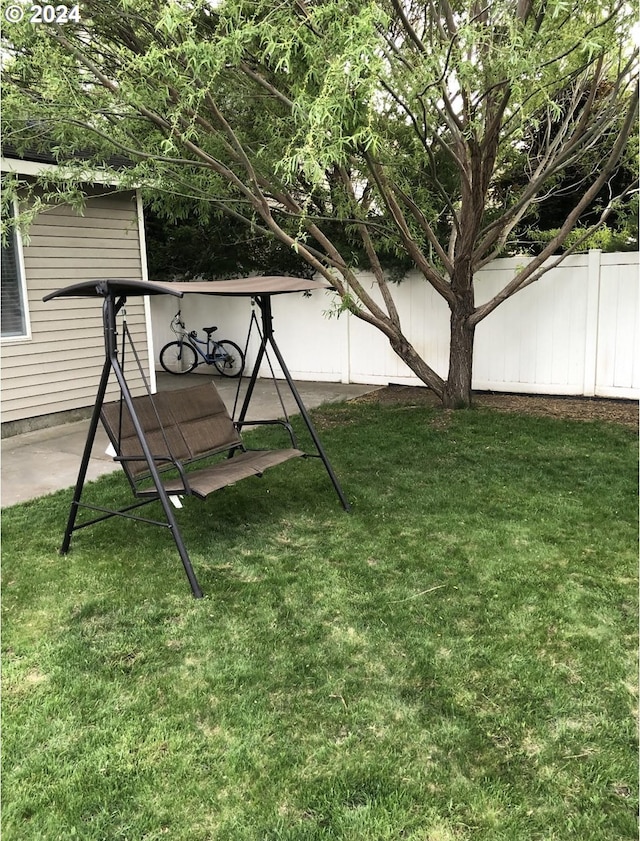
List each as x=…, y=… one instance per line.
x=209, y=330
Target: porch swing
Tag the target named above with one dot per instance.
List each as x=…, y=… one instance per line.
x=161, y=440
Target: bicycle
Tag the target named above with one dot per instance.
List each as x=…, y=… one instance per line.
x=184, y=354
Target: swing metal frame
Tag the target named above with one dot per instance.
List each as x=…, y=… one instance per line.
x=114, y=293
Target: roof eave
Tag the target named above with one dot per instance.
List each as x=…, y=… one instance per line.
x=38, y=168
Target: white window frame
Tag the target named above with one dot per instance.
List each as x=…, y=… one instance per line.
x=22, y=277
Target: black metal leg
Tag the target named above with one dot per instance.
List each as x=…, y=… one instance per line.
x=264, y=302
x=310, y=426
x=111, y=363
x=252, y=383
x=84, y=464
x=163, y=496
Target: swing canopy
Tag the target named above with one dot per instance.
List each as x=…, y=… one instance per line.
x=251, y=287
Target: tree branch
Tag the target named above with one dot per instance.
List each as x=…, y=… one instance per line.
x=438, y=282
x=567, y=144
x=422, y=220
x=535, y=269
x=371, y=254
x=413, y=35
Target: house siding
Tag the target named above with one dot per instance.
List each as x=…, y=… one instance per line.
x=57, y=369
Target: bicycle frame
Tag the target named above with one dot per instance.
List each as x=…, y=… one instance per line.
x=194, y=341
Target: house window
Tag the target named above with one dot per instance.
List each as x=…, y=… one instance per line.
x=13, y=308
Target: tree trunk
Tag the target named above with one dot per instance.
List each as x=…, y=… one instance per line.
x=457, y=389
x=416, y=363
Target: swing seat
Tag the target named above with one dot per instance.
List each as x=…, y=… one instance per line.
x=181, y=428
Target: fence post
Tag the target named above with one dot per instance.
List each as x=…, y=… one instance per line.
x=591, y=323
x=345, y=362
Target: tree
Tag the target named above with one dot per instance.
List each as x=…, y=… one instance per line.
x=189, y=248
x=349, y=131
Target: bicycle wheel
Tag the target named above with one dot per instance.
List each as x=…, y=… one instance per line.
x=178, y=358
x=228, y=359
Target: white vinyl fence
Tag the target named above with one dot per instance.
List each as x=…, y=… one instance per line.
x=574, y=332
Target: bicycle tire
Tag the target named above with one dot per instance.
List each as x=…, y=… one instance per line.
x=178, y=358
x=232, y=365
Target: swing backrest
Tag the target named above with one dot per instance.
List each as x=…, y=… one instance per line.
x=179, y=427
x=202, y=418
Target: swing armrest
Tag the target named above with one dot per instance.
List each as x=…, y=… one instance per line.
x=164, y=463
x=294, y=441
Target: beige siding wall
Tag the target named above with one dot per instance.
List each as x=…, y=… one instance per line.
x=58, y=368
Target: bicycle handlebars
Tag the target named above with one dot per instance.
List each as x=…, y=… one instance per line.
x=177, y=321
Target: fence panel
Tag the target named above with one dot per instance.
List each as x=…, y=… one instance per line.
x=310, y=336
x=425, y=317
x=618, y=339
x=535, y=341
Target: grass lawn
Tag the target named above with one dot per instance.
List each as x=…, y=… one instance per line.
x=455, y=660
